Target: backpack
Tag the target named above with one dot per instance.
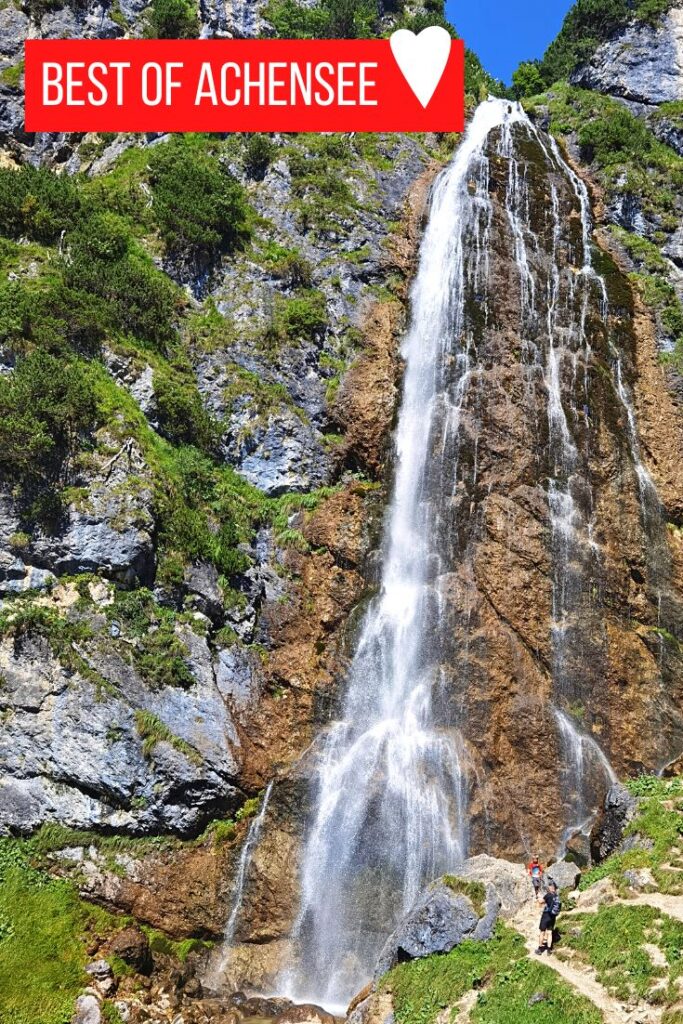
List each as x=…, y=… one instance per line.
x=556, y=906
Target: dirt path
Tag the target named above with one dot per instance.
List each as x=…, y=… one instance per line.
x=581, y=977
x=671, y=905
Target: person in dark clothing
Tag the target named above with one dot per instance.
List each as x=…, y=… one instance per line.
x=551, y=908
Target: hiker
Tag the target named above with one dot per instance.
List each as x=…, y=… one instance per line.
x=535, y=869
x=551, y=908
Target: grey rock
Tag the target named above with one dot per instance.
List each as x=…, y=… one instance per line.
x=607, y=833
x=564, y=873
x=206, y=595
x=87, y=1010
x=510, y=881
x=102, y=976
x=108, y=531
x=639, y=879
x=73, y=755
x=439, y=921
x=642, y=63
x=284, y=455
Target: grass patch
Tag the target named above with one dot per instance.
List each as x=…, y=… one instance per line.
x=423, y=989
x=43, y=927
x=612, y=941
x=475, y=891
x=152, y=730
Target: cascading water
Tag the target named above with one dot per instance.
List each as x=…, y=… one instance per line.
x=221, y=960
x=398, y=781
x=391, y=800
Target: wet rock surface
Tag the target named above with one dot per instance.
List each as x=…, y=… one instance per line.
x=441, y=919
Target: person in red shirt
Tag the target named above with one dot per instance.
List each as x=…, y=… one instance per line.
x=535, y=869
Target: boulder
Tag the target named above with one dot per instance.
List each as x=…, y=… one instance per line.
x=578, y=849
x=440, y=920
x=132, y=946
x=618, y=810
x=306, y=1013
x=87, y=1010
x=564, y=873
x=510, y=881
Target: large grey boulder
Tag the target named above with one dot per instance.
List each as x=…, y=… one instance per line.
x=564, y=873
x=618, y=810
x=510, y=881
x=643, y=63
x=440, y=920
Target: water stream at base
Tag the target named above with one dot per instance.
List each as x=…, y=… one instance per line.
x=218, y=967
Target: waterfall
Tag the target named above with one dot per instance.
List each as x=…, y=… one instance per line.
x=221, y=961
x=391, y=790
x=396, y=778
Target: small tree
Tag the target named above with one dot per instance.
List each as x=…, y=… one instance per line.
x=527, y=80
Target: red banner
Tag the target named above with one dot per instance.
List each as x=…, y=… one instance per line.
x=245, y=85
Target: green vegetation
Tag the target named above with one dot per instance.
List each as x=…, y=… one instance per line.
x=173, y=19
x=42, y=941
x=588, y=24
x=152, y=730
x=475, y=891
x=198, y=205
x=46, y=411
x=12, y=76
x=300, y=318
x=259, y=151
x=159, y=655
x=655, y=288
x=626, y=156
x=181, y=414
x=660, y=821
x=612, y=941
x=422, y=989
x=330, y=19
x=37, y=204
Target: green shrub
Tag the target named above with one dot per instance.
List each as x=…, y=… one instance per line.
x=105, y=261
x=330, y=19
x=49, y=314
x=46, y=409
x=301, y=318
x=527, y=80
x=173, y=19
x=181, y=413
x=259, y=151
x=198, y=205
x=37, y=203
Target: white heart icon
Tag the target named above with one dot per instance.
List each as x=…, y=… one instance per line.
x=422, y=59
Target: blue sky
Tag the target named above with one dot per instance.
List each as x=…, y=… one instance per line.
x=505, y=32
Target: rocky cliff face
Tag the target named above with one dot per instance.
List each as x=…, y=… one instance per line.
x=642, y=64
x=144, y=699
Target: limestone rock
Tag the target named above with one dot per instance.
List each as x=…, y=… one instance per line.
x=510, y=881
x=87, y=1010
x=74, y=755
x=564, y=873
x=439, y=921
x=642, y=63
